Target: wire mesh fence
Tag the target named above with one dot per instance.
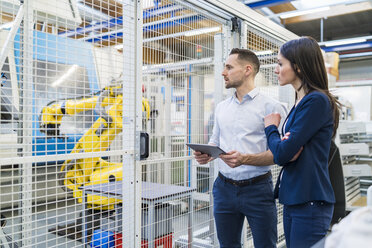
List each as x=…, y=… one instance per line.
x=266, y=48
x=86, y=86
x=178, y=51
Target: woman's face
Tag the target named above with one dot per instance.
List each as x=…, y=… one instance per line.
x=286, y=74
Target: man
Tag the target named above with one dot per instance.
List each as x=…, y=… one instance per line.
x=244, y=185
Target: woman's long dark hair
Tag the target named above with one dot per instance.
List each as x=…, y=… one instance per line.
x=307, y=62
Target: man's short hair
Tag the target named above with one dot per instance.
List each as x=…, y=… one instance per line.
x=249, y=56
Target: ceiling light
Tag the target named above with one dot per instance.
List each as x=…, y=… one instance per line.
x=146, y=4
x=202, y=31
x=6, y=25
x=69, y=72
x=353, y=55
x=343, y=42
x=346, y=48
x=303, y=12
x=261, y=53
x=120, y=46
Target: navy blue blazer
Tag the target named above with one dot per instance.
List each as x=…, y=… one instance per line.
x=311, y=125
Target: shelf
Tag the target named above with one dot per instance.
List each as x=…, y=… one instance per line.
x=353, y=149
x=355, y=141
x=357, y=170
x=351, y=127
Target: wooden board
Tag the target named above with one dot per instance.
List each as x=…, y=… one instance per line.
x=360, y=202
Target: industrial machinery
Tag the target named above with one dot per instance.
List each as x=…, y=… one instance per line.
x=107, y=104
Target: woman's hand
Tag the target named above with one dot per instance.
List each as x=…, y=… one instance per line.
x=295, y=157
x=272, y=119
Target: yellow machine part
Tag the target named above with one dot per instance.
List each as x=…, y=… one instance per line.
x=146, y=107
x=73, y=107
x=90, y=142
x=52, y=114
x=93, y=170
x=99, y=176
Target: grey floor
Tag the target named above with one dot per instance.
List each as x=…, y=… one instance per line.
x=46, y=217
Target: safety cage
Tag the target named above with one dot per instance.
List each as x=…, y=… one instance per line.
x=98, y=99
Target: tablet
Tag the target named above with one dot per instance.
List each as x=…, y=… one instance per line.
x=211, y=150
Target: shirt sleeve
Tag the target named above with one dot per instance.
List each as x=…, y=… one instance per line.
x=310, y=117
x=215, y=138
x=283, y=111
x=277, y=107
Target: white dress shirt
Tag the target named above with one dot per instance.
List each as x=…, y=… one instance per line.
x=240, y=126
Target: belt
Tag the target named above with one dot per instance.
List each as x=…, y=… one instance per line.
x=245, y=182
x=317, y=203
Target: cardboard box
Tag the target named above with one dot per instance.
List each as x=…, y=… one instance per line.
x=332, y=60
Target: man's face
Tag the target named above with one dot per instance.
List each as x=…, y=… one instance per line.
x=234, y=72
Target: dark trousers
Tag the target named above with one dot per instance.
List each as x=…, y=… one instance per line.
x=255, y=202
x=306, y=224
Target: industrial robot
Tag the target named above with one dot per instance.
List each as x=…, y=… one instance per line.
x=75, y=173
x=92, y=170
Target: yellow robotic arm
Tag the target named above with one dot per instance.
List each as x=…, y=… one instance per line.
x=93, y=170
x=51, y=115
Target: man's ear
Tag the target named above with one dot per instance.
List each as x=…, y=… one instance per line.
x=249, y=69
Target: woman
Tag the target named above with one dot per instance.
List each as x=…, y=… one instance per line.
x=304, y=187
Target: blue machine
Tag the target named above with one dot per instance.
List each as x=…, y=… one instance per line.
x=58, y=55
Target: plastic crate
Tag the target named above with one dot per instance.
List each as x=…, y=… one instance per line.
x=161, y=242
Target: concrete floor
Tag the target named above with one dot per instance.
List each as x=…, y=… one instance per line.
x=47, y=217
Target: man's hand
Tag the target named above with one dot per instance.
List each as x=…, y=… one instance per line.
x=272, y=119
x=232, y=158
x=295, y=157
x=202, y=158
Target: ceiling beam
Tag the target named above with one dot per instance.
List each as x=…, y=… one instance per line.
x=331, y=32
x=266, y=3
x=282, y=8
x=333, y=11
x=361, y=45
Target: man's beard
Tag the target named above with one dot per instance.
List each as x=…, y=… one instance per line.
x=235, y=84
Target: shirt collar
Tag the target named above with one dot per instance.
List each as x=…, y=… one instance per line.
x=252, y=94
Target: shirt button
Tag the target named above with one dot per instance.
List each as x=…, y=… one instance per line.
x=311, y=203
